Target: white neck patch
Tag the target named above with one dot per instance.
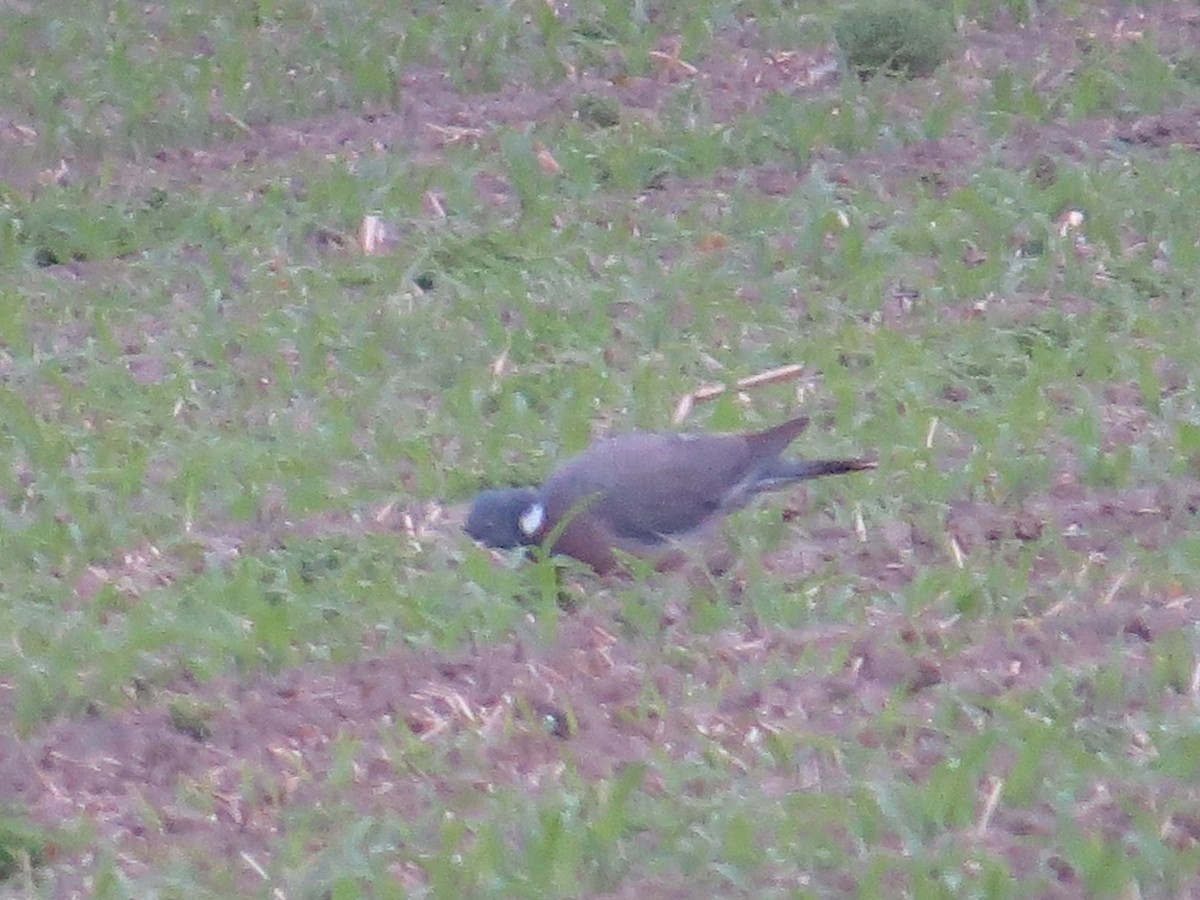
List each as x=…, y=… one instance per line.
x=532, y=520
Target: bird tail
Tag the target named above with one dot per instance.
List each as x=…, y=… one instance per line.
x=773, y=441
x=782, y=472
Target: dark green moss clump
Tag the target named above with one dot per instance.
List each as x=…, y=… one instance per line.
x=1187, y=68
x=897, y=37
x=192, y=718
x=601, y=112
x=21, y=844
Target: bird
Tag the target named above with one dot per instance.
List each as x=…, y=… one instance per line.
x=646, y=494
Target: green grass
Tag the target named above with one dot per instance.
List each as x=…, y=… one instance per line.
x=201, y=377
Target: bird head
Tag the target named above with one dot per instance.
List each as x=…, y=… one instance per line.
x=507, y=518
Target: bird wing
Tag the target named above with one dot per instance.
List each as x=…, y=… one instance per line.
x=648, y=487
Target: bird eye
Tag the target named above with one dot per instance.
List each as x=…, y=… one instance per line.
x=532, y=519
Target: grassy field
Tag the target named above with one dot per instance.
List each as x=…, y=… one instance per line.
x=247, y=650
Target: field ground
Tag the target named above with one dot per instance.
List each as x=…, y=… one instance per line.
x=248, y=651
